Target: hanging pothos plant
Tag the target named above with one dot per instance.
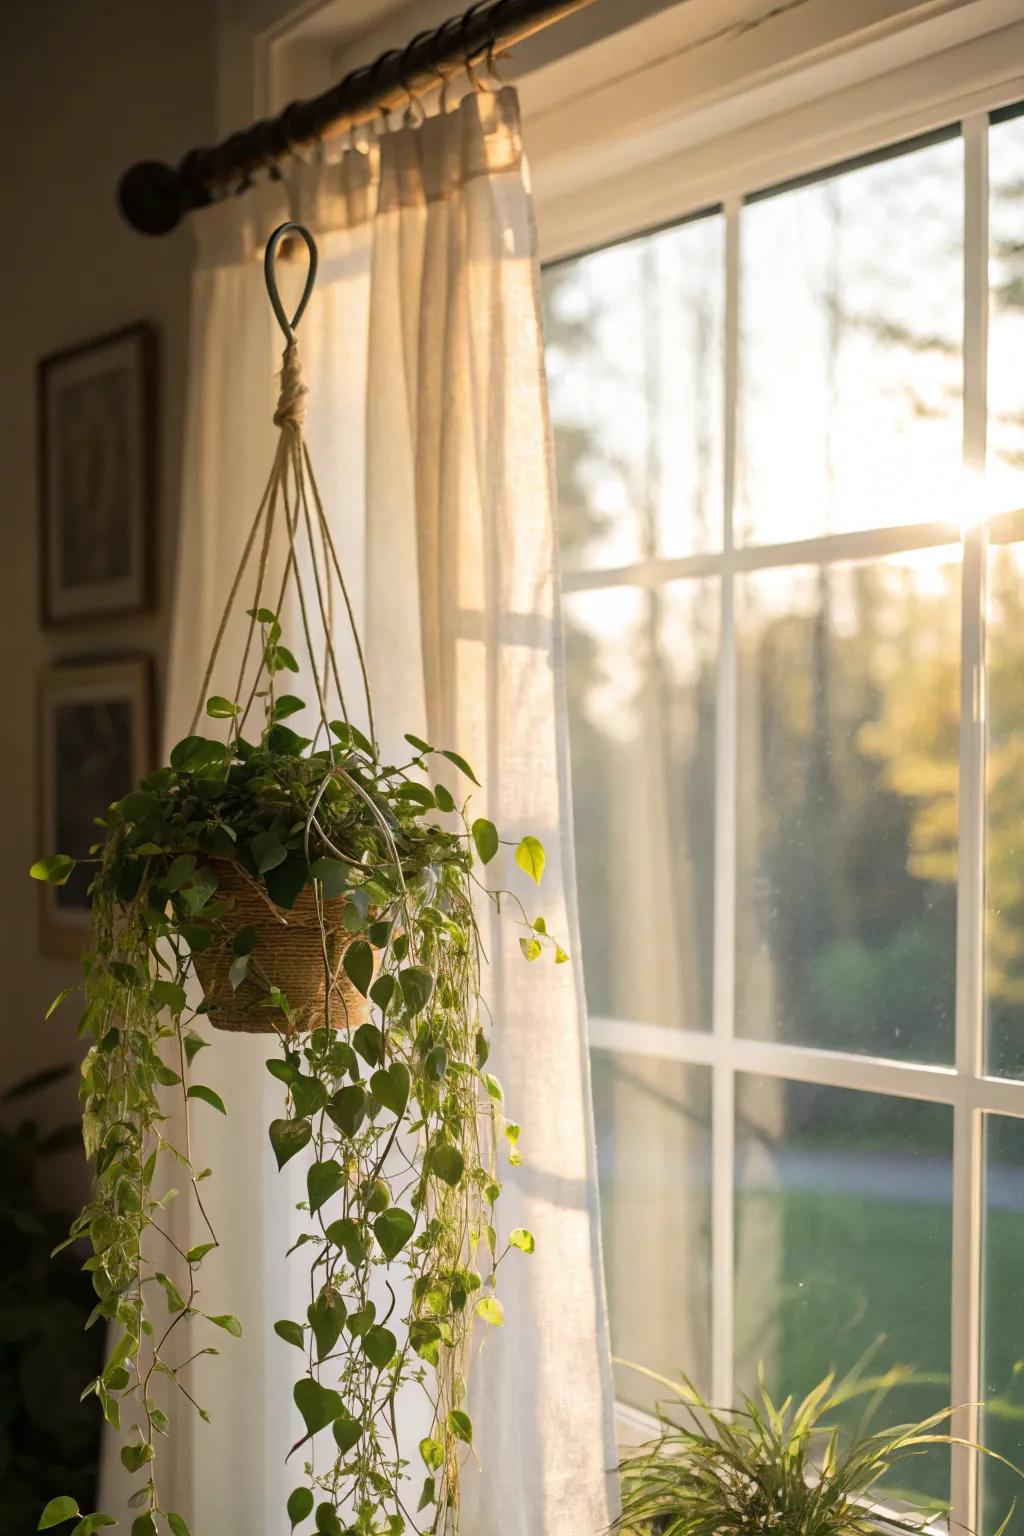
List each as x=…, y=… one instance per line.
x=301, y=887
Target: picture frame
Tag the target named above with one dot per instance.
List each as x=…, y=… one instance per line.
x=98, y=477
x=95, y=741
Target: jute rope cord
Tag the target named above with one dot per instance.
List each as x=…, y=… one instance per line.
x=291, y=506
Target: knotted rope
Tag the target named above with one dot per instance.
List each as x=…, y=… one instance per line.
x=291, y=409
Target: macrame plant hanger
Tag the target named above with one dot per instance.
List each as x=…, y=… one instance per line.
x=308, y=941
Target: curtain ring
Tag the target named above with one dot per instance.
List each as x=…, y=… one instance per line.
x=464, y=24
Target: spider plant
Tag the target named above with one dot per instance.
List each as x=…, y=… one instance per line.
x=788, y=1469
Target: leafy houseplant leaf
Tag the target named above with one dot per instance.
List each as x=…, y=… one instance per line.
x=134, y=1457
x=327, y=1318
x=228, y=1322
x=332, y=875
x=347, y=1432
x=300, y=1506
x=485, y=836
x=287, y=1137
x=461, y=764
x=267, y=852
x=358, y=963
x=367, y=1042
x=322, y=1181
x=319, y=1406
x=55, y=870
x=491, y=1310
x=417, y=984
x=292, y=1333
x=461, y=1425
x=56, y=1512
x=348, y=1108
x=393, y=1229
x=199, y=1091
x=520, y=1238
x=391, y=1086
x=530, y=858
x=379, y=1345
x=327, y=1522
x=432, y=1452
x=178, y=1526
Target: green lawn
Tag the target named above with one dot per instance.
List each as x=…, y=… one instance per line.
x=822, y=1276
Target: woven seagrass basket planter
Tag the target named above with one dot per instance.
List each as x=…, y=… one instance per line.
x=289, y=955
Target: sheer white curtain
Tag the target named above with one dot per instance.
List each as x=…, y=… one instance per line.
x=427, y=422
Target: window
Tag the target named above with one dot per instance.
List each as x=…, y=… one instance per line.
x=794, y=621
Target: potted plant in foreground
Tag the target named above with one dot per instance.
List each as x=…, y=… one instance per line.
x=303, y=887
x=788, y=1469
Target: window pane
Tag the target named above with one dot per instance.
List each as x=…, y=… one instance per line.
x=634, y=360
x=843, y=1236
x=1004, y=863
x=641, y=684
x=1006, y=329
x=653, y=1155
x=1003, y=1391
x=847, y=743
x=851, y=319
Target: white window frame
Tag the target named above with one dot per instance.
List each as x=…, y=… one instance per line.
x=963, y=1086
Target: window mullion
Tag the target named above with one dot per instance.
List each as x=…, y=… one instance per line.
x=723, y=1115
x=968, y=1145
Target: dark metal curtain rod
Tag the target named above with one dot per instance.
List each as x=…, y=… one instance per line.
x=155, y=197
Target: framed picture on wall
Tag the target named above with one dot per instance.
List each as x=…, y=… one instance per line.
x=97, y=477
x=95, y=741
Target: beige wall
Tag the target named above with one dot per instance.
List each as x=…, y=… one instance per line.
x=86, y=86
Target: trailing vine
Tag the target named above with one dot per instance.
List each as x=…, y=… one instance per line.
x=382, y=1055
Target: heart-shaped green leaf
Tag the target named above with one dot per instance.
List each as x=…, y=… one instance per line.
x=348, y=1108
x=292, y=1333
x=200, y=1091
x=56, y=1512
x=390, y=1087
x=134, y=1457
x=491, y=1310
x=332, y=875
x=358, y=1322
x=54, y=869
x=432, y=1452
x=327, y=1522
x=530, y=858
x=417, y=984
x=347, y=1432
x=485, y=836
x=346, y=1234
x=461, y=1425
x=318, y=1405
x=358, y=963
x=367, y=1042
x=267, y=852
x=288, y=1137
x=322, y=1181
x=379, y=1345
x=393, y=1229
x=300, y=1506
x=326, y=1318
x=308, y=1095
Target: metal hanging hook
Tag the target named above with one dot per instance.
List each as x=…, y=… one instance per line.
x=288, y=327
